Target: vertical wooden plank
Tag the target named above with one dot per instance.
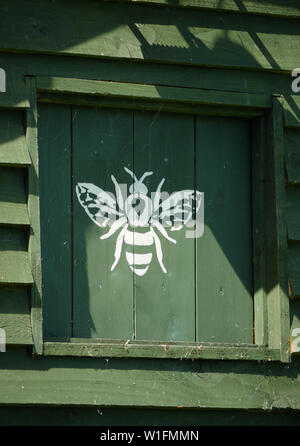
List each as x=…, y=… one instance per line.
x=34, y=245
x=258, y=128
x=102, y=299
x=54, y=133
x=224, y=254
x=278, y=301
x=165, y=302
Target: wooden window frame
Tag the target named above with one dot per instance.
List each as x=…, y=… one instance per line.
x=271, y=302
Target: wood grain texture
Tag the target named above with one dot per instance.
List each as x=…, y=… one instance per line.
x=142, y=32
x=198, y=384
x=54, y=139
x=148, y=105
x=224, y=267
x=102, y=299
x=13, y=150
x=276, y=234
x=165, y=301
x=211, y=38
x=133, y=350
x=15, y=315
x=160, y=74
x=34, y=243
x=257, y=135
x=138, y=91
x=14, y=261
x=13, y=206
x=273, y=8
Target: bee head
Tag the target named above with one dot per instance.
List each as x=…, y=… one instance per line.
x=138, y=185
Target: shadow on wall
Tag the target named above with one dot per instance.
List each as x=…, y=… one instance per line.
x=181, y=36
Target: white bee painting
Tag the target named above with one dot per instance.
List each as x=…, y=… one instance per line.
x=133, y=215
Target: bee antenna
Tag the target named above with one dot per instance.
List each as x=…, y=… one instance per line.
x=131, y=173
x=146, y=174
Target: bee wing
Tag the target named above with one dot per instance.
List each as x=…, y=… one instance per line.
x=179, y=208
x=100, y=206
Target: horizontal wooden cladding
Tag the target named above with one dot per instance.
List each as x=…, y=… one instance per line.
x=147, y=383
x=13, y=149
x=13, y=203
x=14, y=261
x=267, y=7
x=293, y=269
x=15, y=315
x=205, y=77
x=172, y=351
x=152, y=92
x=145, y=32
x=8, y=101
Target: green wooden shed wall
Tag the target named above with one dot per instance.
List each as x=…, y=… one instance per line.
x=247, y=49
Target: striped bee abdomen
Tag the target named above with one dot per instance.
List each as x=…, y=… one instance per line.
x=138, y=262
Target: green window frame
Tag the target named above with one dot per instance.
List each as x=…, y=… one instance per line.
x=271, y=303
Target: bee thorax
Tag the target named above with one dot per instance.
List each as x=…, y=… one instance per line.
x=138, y=208
x=138, y=238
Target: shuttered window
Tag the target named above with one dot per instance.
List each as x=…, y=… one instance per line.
x=124, y=173
x=201, y=290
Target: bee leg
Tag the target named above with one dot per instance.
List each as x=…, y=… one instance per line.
x=115, y=226
x=158, y=251
x=162, y=230
x=118, y=249
x=118, y=193
x=157, y=195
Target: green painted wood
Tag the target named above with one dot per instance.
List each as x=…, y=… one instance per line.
x=124, y=103
x=165, y=302
x=257, y=129
x=13, y=206
x=276, y=237
x=13, y=150
x=224, y=270
x=147, y=383
x=292, y=213
x=13, y=101
x=138, y=91
x=291, y=106
x=177, y=36
x=102, y=299
x=201, y=351
x=292, y=155
x=15, y=95
x=267, y=7
x=293, y=267
x=14, y=261
x=34, y=242
x=54, y=133
x=15, y=316
x=237, y=80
